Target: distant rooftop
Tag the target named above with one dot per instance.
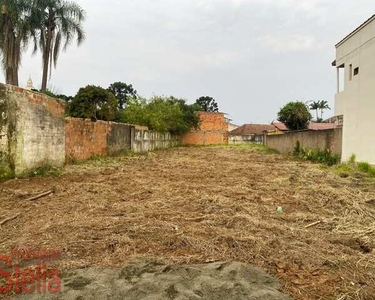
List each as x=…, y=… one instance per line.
x=250, y=129
x=312, y=126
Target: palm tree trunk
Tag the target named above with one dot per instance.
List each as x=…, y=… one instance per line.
x=8, y=76
x=46, y=56
x=15, y=77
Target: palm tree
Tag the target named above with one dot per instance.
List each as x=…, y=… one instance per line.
x=60, y=22
x=16, y=28
x=315, y=105
x=323, y=105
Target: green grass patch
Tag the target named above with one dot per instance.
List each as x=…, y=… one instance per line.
x=97, y=159
x=351, y=167
x=44, y=171
x=258, y=147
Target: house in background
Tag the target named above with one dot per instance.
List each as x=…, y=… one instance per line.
x=355, y=98
x=250, y=133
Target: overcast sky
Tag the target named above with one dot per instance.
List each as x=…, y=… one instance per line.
x=252, y=56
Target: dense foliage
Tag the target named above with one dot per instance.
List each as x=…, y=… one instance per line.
x=208, y=104
x=123, y=93
x=163, y=114
x=95, y=103
x=295, y=115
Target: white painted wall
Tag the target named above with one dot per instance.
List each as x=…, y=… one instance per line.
x=357, y=101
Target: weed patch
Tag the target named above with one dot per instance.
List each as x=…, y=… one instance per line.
x=44, y=171
x=316, y=155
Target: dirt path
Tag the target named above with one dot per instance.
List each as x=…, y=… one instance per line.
x=197, y=205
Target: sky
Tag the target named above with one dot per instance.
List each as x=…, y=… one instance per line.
x=252, y=56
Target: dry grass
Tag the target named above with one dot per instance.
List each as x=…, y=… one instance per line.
x=191, y=205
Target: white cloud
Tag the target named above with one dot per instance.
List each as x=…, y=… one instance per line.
x=289, y=43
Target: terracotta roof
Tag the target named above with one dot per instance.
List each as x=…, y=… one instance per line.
x=249, y=129
x=280, y=126
x=323, y=126
x=312, y=126
x=355, y=31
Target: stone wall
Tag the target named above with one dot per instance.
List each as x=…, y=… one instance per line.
x=32, y=131
x=213, y=130
x=322, y=139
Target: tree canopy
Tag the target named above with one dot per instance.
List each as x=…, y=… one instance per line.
x=95, y=103
x=319, y=106
x=163, y=114
x=17, y=27
x=208, y=104
x=123, y=93
x=295, y=115
x=50, y=24
x=59, y=23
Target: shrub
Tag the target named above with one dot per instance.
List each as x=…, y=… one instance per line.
x=295, y=115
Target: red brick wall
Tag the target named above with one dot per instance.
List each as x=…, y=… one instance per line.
x=85, y=139
x=213, y=130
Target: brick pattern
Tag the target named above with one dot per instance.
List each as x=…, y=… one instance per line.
x=213, y=130
x=85, y=139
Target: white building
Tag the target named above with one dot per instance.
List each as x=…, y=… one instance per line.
x=355, y=98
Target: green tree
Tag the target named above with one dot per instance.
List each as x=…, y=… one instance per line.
x=295, y=115
x=163, y=114
x=60, y=22
x=123, y=92
x=323, y=105
x=208, y=104
x=189, y=112
x=95, y=103
x=16, y=28
x=315, y=105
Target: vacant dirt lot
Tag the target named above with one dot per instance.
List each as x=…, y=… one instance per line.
x=197, y=205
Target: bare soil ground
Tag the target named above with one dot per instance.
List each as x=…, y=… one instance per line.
x=199, y=205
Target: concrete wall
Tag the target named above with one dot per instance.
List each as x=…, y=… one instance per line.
x=324, y=139
x=213, y=130
x=245, y=139
x=31, y=131
x=147, y=140
x=356, y=102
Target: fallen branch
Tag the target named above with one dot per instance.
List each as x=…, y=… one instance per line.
x=8, y=219
x=40, y=196
x=313, y=224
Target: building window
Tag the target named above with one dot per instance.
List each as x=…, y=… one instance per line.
x=350, y=72
x=356, y=71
